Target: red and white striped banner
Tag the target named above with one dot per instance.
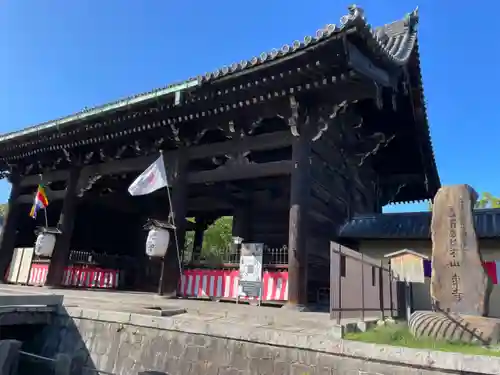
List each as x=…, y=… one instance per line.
x=224, y=284
x=79, y=276
x=197, y=283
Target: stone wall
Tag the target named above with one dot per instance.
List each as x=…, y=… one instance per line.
x=126, y=344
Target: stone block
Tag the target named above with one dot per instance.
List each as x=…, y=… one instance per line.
x=260, y=366
x=113, y=316
x=362, y=326
x=337, y=331
x=233, y=371
x=459, y=283
x=301, y=369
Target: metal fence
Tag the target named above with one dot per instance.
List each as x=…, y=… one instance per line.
x=272, y=256
x=92, y=258
x=360, y=287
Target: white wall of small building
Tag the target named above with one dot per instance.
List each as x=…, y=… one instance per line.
x=490, y=251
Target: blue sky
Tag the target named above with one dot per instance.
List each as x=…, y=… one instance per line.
x=57, y=57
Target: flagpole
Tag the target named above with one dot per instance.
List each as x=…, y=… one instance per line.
x=176, y=239
x=45, y=208
x=46, y=218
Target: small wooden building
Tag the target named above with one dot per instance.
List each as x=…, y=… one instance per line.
x=290, y=143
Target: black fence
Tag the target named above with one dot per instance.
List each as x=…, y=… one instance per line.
x=272, y=256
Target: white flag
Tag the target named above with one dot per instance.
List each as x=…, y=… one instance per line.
x=152, y=179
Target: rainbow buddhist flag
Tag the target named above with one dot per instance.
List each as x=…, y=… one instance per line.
x=40, y=201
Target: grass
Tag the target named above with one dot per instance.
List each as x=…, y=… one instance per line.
x=398, y=335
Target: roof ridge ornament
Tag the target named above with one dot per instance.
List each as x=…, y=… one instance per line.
x=412, y=19
x=355, y=17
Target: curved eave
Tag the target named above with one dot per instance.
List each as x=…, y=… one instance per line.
x=423, y=121
x=391, y=44
x=431, y=181
x=90, y=113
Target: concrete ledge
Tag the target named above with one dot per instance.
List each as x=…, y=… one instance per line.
x=31, y=300
x=316, y=340
x=38, y=309
x=16, y=315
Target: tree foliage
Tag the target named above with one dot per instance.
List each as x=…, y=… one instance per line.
x=486, y=200
x=3, y=209
x=216, y=241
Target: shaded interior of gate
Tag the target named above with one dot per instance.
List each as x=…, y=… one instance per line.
x=110, y=222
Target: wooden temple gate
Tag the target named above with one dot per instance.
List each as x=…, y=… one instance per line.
x=290, y=143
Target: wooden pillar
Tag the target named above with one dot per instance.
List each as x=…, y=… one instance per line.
x=66, y=224
x=8, y=236
x=297, y=235
x=199, y=233
x=170, y=274
x=242, y=222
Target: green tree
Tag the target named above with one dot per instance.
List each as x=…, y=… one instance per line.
x=487, y=200
x=216, y=240
x=3, y=209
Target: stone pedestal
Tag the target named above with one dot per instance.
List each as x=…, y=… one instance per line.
x=455, y=327
x=459, y=284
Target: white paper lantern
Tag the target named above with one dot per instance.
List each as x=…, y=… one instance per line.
x=44, y=245
x=157, y=242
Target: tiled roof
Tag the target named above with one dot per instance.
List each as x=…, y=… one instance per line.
x=412, y=225
x=391, y=45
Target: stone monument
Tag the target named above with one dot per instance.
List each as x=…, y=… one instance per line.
x=460, y=286
x=459, y=282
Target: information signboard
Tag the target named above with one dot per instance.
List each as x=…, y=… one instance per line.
x=250, y=282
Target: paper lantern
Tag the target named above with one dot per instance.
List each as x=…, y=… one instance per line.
x=44, y=245
x=157, y=242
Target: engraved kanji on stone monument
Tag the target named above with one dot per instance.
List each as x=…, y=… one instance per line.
x=459, y=283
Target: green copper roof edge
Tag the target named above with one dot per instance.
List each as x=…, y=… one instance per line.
x=102, y=109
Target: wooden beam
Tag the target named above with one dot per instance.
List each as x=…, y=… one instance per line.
x=52, y=195
x=224, y=173
x=261, y=142
x=242, y=172
x=411, y=178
